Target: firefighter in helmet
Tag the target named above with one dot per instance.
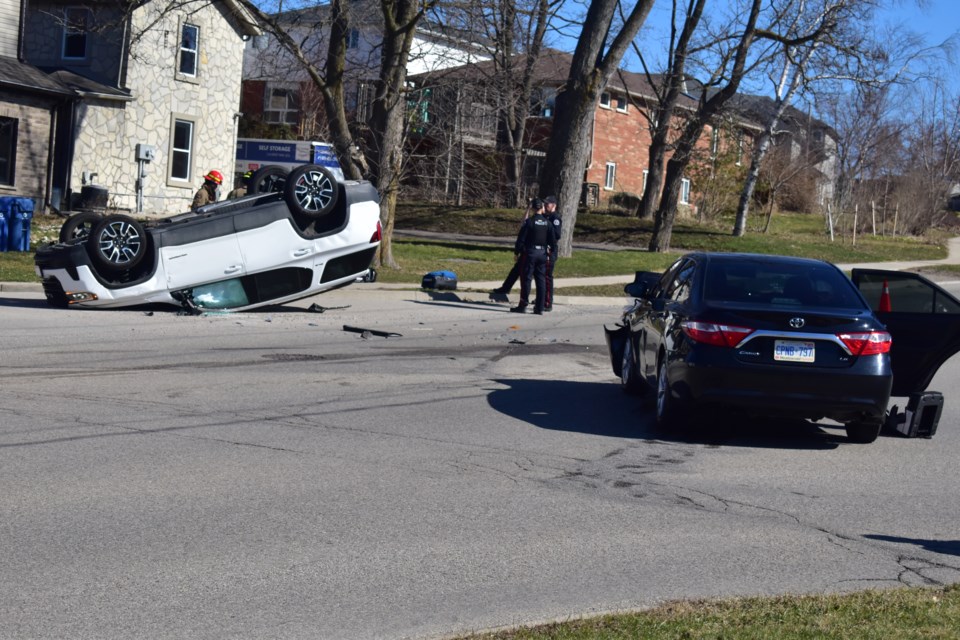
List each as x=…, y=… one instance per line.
x=208, y=191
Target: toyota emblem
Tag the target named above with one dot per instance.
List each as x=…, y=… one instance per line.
x=797, y=323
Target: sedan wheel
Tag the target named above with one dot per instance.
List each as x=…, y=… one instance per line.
x=863, y=432
x=670, y=412
x=630, y=380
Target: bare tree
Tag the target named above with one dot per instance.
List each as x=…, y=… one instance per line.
x=730, y=69
x=593, y=64
x=834, y=51
x=516, y=85
x=400, y=19
x=730, y=54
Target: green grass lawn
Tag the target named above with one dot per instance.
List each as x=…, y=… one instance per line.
x=901, y=614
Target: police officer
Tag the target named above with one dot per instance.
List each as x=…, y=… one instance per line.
x=535, y=243
x=553, y=217
x=514, y=274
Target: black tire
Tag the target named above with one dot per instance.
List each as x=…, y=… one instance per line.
x=311, y=191
x=630, y=380
x=117, y=243
x=669, y=411
x=268, y=179
x=863, y=431
x=79, y=225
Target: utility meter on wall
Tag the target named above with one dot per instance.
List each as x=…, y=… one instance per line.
x=146, y=152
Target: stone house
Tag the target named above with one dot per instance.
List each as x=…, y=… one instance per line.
x=154, y=100
x=620, y=141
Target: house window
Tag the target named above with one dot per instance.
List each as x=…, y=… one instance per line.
x=75, y=25
x=353, y=39
x=643, y=190
x=8, y=150
x=684, y=191
x=621, y=103
x=189, y=47
x=611, y=178
x=605, y=100
x=181, y=149
x=543, y=102
x=283, y=105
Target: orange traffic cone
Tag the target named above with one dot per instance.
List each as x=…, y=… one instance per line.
x=884, y=297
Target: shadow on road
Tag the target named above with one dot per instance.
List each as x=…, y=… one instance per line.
x=602, y=409
x=945, y=547
x=24, y=303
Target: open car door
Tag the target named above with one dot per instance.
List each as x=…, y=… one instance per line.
x=923, y=319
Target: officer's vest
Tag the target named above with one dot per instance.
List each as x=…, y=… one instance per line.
x=539, y=231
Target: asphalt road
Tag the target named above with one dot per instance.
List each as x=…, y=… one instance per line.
x=270, y=475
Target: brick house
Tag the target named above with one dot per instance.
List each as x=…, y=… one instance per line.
x=150, y=101
x=621, y=137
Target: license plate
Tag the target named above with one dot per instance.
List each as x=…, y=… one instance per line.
x=793, y=351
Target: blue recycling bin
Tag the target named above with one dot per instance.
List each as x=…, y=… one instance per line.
x=6, y=203
x=18, y=234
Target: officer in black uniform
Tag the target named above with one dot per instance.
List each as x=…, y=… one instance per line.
x=553, y=217
x=535, y=243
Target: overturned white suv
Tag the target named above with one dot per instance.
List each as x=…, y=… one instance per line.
x=291, y=238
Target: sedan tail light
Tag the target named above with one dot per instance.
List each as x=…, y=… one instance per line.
x=720, y=335
x=868, y=343
x=378, y=234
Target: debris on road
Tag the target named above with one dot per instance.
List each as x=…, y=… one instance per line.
x=366, y=333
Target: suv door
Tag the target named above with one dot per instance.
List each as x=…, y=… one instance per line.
x=924, y=321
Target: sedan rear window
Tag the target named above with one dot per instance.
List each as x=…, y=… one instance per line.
x=779, y=284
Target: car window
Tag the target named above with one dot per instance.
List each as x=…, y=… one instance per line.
x=781, y=284
x=666, y=281
x=681, y=284
x=908, y=293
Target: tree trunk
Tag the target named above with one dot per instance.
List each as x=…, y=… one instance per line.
x=655, y=159
x=750, y=182
x=667, y=211
x=333, y=98
x=564, y=166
